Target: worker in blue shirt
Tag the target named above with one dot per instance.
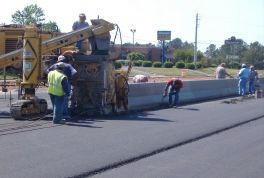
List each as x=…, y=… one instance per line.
x=58, y=89
x=79, y=25
x=243, y=78
x=69, y=72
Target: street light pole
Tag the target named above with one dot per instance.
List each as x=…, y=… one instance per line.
x=133, y=31
x=195, y=43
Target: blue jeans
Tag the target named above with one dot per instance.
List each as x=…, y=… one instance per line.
x=176, y=98
x=242, y=86
x=66, y=103
x=57, y=105
x=78, y=45
x=252, y=88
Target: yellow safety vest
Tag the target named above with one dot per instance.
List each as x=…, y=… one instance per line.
x=54, y=80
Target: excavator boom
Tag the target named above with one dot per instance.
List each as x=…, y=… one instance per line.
x=101, y=27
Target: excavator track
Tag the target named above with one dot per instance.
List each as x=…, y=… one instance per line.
x=28, y=109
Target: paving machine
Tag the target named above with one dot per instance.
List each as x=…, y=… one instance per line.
x=96, y=86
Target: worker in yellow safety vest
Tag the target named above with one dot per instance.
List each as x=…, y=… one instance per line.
x=58, y=88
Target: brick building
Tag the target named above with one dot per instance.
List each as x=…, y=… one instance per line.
x=150, y=52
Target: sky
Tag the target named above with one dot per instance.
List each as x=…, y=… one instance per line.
x=218, y=19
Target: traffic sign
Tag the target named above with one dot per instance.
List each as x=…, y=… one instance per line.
x=233, y=41
x=164, y=35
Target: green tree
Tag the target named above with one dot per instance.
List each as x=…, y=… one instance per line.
x=200, y=55
x=232, y=53
x=176, y=43
x=31, y=14
x=127, y=45
x=185, y=55
x=254, y=54
x=187, y=45
x=211, y=51
x=135, y=56
x=50, y=26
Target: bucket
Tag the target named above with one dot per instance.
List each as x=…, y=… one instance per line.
x=259, y=94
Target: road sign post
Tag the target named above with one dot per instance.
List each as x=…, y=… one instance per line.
x=163, y=36
x=232, y=42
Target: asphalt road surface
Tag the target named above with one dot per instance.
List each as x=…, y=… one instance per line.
x=210, y=139
x=236, y=153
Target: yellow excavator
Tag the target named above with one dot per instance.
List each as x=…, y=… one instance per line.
x=97, y=86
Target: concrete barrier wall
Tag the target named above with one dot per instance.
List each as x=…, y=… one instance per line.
x=147, y=95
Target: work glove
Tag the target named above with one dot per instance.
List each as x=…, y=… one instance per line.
x=165, y=93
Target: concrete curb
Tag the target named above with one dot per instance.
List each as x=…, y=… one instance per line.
x=147, y=95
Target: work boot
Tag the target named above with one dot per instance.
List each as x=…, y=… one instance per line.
x=67, y=118
x=59, y=122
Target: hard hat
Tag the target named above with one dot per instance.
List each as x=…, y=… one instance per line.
x=222, y=64
x=61, y=58
x=244, y=65
x=82, y=15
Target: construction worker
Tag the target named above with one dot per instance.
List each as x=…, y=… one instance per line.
x=243, y=78
x=174, y=85
x=253, y=77
x=69, y=72
x=78, y=25
x=58, y=89
x=221, y=72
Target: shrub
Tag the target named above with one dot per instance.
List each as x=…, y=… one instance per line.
x=168, y=64
x=117, y=64
x=123, y=62
x=259, y=65
x=135, y=56
x=180, y=65
x=147, y=64
x=234, y=65
x=190, y=66
x=214, y=65
x=198, y=65
x=157, y=64
x=205, y=62
x=137, y=63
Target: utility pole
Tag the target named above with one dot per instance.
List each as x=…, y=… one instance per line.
x=133, y=31
x=163, y=51
x=195, y=43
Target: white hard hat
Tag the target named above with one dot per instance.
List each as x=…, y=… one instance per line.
x=61, y=58
x=244, y=65
x=82, y=15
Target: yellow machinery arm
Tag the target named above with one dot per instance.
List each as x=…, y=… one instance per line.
x=11, y=58
x=32, y=52
x=100, y=28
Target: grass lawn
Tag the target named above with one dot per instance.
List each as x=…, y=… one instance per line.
x=155, y=71
x=9, y=76
x=166, y=72
x=204, y=72
x=232, y=72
